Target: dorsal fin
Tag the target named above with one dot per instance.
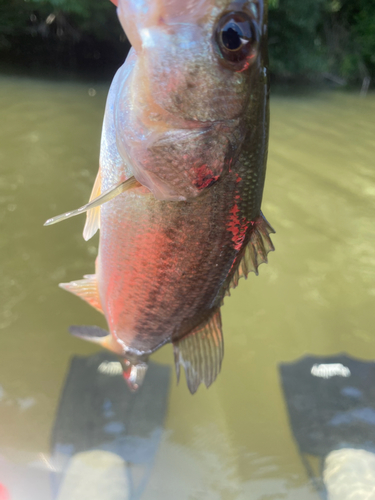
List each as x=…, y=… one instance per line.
x=200, y=353
x=256, y=251
x=86, y=289
x=93, y=215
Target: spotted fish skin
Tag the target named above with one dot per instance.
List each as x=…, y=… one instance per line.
x=194, y=133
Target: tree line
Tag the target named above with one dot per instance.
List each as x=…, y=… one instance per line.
x=308, y=39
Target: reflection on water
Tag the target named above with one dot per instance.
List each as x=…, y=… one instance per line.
x=104, y=430
x=331, y=407
x=316, y=296
x=104, y=438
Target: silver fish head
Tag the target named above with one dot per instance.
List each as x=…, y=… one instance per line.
x=182, y=113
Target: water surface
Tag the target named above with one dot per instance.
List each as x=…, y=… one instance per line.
x=316, y=296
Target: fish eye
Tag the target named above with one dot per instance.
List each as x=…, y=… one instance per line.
x=236, y=37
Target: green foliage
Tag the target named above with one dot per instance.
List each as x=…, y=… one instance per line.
x=359, y=21
x=95, y=17
x=306, y=37
x=294, y=39
x=13, y=14
x=64, y=35
x=334, y=37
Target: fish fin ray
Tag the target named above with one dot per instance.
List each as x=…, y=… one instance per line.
x=92, y=223
x=98, y=336
x=86, y=289
x=97, y=202
x=200, y=353
x=90, y=333
x=255, y=253
x=176, y=352
x=134, y=374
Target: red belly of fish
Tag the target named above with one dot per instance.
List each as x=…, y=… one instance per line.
x=162, y=264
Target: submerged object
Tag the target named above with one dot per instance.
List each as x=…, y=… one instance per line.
x=95, y=474
x=349, y=473
x=331, y=406
x=184, y=142
x=108, y=450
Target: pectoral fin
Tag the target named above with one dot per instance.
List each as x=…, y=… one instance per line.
x=256, y=251
x=103, y=198
x=86, y=289
x=93, y=215
x=200, y=353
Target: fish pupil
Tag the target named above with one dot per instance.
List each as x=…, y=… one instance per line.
x=237, y=37
x=231, y=36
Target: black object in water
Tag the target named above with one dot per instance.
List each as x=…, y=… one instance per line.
x=97, y=411
x=331, y=405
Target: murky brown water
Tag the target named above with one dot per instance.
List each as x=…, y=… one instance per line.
x=316, y=296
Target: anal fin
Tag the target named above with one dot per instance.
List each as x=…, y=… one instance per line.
x=256, y=251
x=200, y=353
x=93, y=215
x=91, y=333
x=86, y=289
x=97, y=335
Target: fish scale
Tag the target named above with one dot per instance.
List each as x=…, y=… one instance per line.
x=178, y=284
x=184, y=141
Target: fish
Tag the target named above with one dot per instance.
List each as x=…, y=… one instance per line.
x=178, y=194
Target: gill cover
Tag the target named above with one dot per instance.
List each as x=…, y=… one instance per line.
x=180, y=115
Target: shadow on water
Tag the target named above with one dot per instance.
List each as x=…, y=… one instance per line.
x=331, y=406
x=104, y=438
